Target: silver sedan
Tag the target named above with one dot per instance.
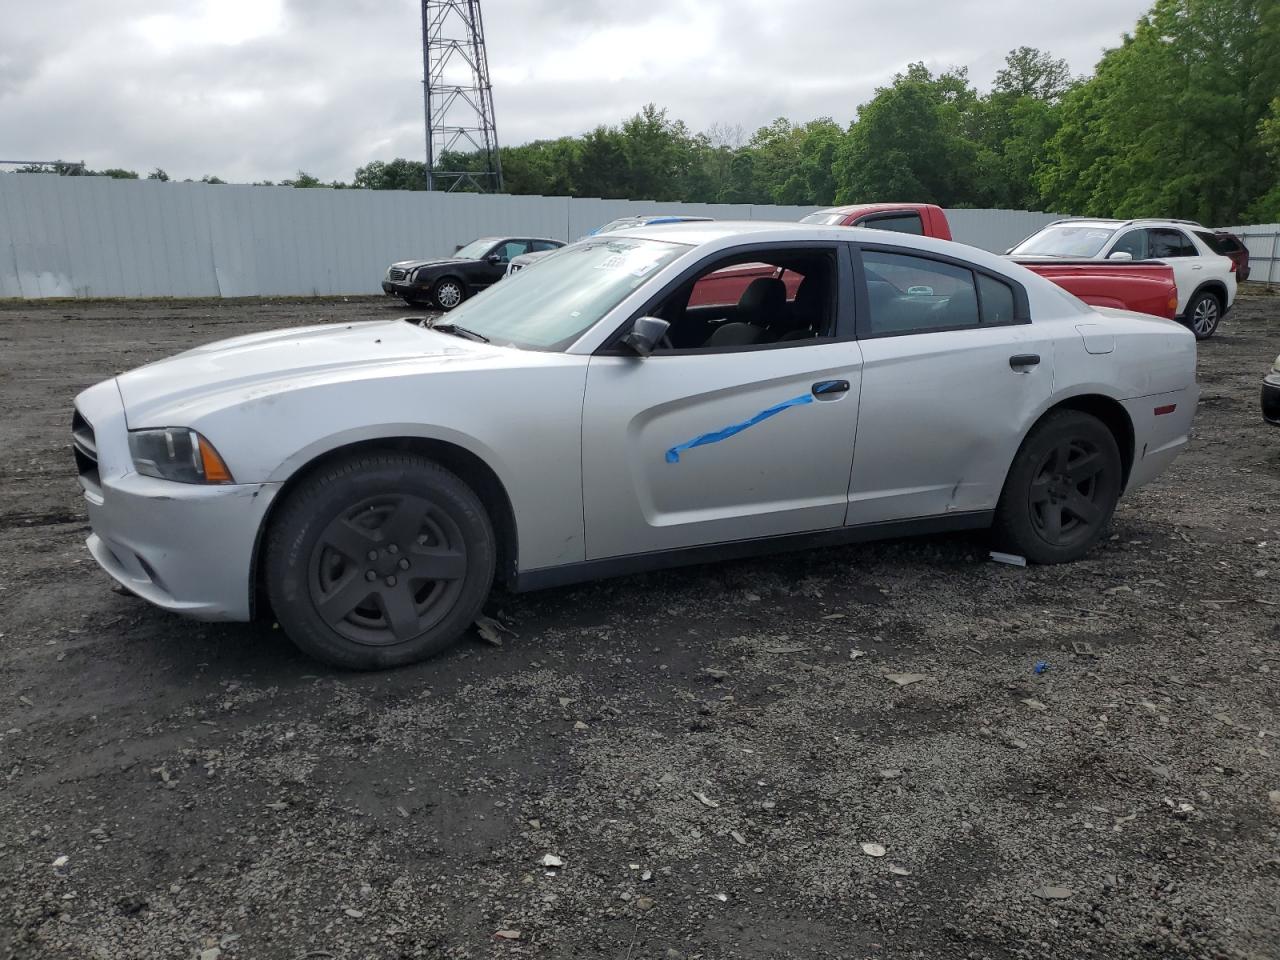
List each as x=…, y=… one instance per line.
x=659, y=396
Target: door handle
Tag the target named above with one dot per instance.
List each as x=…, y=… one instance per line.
x=830, y=389
x=1022, y=361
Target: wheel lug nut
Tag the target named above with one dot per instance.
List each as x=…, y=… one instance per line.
x=370, y=575
x=391, y=581
x=373, y=554
x=393, y=549
x=404, y=564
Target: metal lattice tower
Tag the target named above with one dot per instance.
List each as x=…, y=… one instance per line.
x=457, y=95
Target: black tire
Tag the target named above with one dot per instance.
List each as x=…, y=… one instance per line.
x=448, y=292
x=352, y=553
x=1061, y=489
x=1204, y=313
x=418, y=304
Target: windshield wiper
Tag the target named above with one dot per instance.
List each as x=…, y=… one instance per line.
x=457, y=331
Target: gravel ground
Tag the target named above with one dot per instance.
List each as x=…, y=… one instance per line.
x=711, y=753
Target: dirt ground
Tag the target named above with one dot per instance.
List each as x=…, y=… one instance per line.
x=708, y=751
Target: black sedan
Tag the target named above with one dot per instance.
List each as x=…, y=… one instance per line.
x=445, y=283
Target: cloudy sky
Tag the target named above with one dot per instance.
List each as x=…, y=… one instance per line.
x=258, y=89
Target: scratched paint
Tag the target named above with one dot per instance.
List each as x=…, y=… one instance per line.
x=673, y=455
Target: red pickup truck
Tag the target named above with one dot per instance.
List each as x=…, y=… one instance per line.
x=1144, y=287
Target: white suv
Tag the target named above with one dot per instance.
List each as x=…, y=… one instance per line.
x=1206, y=280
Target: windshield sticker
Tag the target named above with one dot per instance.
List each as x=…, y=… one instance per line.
x=673, y=455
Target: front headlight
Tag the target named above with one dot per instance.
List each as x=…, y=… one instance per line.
x=176, y=453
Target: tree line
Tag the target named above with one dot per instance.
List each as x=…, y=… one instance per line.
x=1181, y=119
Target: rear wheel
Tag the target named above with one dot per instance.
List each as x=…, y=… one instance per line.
x=1204, y=313
x=379, y=560
x=448, y=293
x=1061, y=490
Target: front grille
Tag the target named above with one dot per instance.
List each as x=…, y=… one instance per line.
x=395, y=273
x=85, y=447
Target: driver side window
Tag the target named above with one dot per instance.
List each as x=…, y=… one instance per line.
x=1133, y=243
x=512, y=248
x=784, y=298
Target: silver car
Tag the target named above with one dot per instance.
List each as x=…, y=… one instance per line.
x=653, y=397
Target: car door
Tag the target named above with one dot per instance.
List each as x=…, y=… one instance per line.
x=1176, y=249
x=953, y=372
x=689, y=447
x=489, y=271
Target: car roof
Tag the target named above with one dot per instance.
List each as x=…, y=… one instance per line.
x=874, y=207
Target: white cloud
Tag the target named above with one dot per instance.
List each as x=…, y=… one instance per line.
x=254, y=89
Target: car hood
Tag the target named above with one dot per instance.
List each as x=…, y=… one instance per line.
x=438, y=262
x=175, y=391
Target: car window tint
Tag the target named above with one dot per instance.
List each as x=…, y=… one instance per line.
x=898, y=223
x=1215, y=243
x=1171, y=243
x=541, y=246
x=512, y=248
x=1133, y=243
x=912, y=294
x=997, y=300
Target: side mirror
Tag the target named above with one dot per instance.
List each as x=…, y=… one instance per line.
x=1120, y=255
x=646, y=333
x=494, y=259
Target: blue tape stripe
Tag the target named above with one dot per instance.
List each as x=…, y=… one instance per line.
x=673, y=455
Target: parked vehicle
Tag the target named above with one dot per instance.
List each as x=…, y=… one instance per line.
x=921, y=219
x=1206, y=279
x=622, y=223
x=588, y=419
x=446, y=282
x=1230, y=246
x=1271, y=395
x=1146, y=288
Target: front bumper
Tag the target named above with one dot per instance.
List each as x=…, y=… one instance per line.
x=410, y=291
x=1271, y=399
x=184, y=547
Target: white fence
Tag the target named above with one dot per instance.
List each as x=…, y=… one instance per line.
x=97, y=237
x=1263, y=242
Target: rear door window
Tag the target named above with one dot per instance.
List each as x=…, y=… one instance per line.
x=1166, y=243
x=541, y=246
x=897, y=222
x=996, y=299
x=909, y=294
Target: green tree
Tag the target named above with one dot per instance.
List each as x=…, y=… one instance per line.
x=1028, y=72
x=158, y=174
x=1169, y=124
x=910, y=142
x=398, y=174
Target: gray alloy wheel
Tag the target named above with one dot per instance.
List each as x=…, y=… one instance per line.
x=1205, y=313
x=1061, y=490
x=379, y=559
x=448, y=294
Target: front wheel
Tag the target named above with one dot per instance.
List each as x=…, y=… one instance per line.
x=1204, y=314
x=448, y=293
x=1061, y=490
x=379, y=560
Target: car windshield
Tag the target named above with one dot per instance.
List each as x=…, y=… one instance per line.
x=475, y=249
x=828, y=219
x=1065, y=240
x=572, y=289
